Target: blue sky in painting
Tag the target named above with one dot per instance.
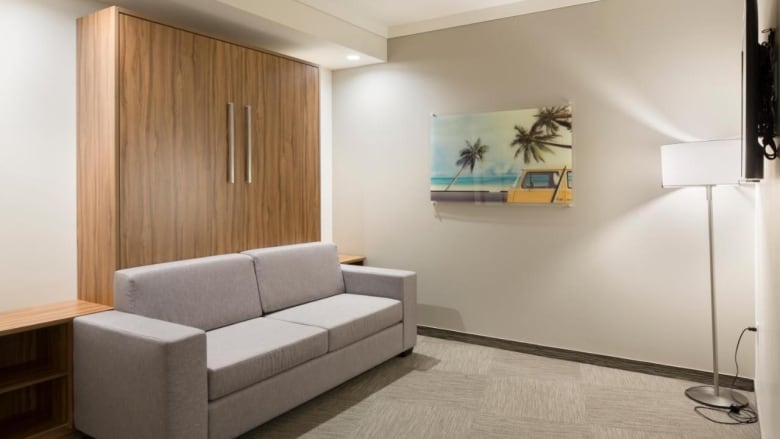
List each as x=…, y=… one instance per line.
x=496, y=129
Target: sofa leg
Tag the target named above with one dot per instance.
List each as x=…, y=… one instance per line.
x=406, y=353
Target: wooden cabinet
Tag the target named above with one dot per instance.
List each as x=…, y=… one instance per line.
x=286, y=102
x=188, y=146
x=35, y=369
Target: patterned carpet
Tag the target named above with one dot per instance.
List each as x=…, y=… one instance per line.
x=454, y=390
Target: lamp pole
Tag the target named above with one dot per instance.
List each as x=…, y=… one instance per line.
x=711, y=395
x=713, y=307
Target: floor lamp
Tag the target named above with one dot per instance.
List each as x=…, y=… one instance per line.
x=706, y=164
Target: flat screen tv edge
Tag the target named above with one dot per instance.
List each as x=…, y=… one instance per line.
x=752, y=151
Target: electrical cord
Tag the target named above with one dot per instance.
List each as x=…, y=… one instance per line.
x=738, y=414
x=745, y=415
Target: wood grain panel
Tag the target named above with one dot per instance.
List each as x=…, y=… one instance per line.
x=46, y=315
x=227, y=208
x=311, y=146
x=33, y=357
x=284, y=199
x=63, y=407
x=298, y=162
x=35, y=411
x=171, y=21
x=36, y=367
x=290, y=204
x=16, y=404
x=263, y=194
x=96, y=182
x=158, y=191
x=351, y=259
x=175, y=202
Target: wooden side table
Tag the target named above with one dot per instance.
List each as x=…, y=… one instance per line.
x=36, y=367
x=352, y=259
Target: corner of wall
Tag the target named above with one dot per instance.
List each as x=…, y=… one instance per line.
x=326, y=155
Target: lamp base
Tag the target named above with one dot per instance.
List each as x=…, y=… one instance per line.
x=726, y=399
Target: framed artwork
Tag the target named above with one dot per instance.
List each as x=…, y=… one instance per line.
x=513, y=157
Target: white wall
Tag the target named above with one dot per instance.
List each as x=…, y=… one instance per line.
x=768, y=279
x=624, y=271
x=38, y=150
x=768, y=302
x=326, y=155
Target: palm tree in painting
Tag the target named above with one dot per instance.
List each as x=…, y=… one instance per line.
x=551, y=118
x=538, y=140
x=469, y=156
x=531, y=144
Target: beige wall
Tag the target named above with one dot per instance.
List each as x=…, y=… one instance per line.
x=38, y=150
x=768, y=302
x=624, y=271
x=768, y=278
x=326, y=155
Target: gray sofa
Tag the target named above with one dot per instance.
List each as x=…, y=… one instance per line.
x=213, y=347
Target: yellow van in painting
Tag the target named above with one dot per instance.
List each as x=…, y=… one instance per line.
x=542, y=186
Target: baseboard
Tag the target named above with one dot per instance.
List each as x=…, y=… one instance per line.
x=662, y=370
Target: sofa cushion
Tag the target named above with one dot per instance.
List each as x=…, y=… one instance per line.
x=246, y=353
x=294, y=274
x=347, y=317
x=204, y=293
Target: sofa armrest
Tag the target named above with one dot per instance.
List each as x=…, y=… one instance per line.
x=384, y=282
x=139, y=377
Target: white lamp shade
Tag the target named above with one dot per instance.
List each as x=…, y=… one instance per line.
x=715, y=162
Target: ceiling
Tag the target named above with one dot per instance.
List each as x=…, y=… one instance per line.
x=394, y=18
x=380, y=15
x=326, y=31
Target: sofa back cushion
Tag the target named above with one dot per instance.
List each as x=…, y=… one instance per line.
x=205, y=293
x=294, y=274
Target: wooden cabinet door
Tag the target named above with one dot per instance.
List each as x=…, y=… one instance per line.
x=262, y=95
x=298, y=152
x=226, y=89
x=175, y=198
x=283, y=199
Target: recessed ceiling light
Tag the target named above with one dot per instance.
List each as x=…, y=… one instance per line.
x=353, y=57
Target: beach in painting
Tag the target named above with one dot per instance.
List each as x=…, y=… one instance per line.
x=479, y=183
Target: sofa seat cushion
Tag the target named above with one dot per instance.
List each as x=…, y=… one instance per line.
x=246, y=353
x=347, y=317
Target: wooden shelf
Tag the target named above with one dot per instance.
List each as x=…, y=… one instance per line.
x=28, y=374
x=35, y=369
x=37, y=426
x=46, y=315
x=36, y=410
x=351, y=259
x=29, y=425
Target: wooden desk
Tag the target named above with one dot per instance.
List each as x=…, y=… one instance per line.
x=36, y=367
x=352, y=259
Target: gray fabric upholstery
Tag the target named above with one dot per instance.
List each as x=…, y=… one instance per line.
x=383, y=282
x=146, y=377
x=347, y=317
x=205, y=293
x=248, y=352
x=241, y=411
x=294, y=274
x=135, y=377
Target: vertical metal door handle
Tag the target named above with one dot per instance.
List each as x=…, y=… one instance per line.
x=231, y=144
x=248, y=109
